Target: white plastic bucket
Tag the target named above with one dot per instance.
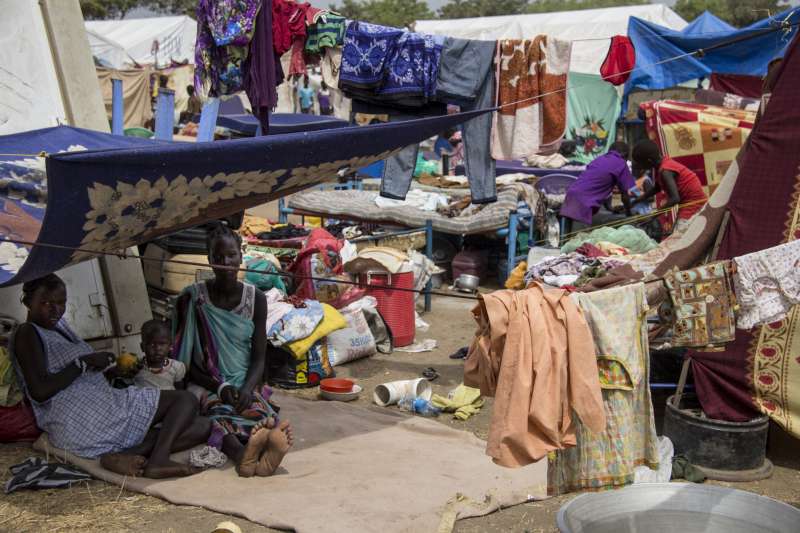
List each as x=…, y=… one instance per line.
x=392, y=392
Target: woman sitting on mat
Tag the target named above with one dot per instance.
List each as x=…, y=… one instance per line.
x=221, y=337
x=80, y=411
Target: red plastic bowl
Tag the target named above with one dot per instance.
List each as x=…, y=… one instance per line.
x=336, y=385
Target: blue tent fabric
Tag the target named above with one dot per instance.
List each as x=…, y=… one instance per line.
x=280, y=123
x=707, y=24
x=655, y=44
x=104, y=193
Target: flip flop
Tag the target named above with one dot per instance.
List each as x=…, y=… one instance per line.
x=460, y=354
x=430, y=373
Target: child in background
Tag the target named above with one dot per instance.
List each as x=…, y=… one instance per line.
x=324, y=99
x=159, y=372
x=306, y=96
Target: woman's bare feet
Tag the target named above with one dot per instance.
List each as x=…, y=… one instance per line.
x=124, y=464
x=255, y=446
x=169, y=469
x=279, y=441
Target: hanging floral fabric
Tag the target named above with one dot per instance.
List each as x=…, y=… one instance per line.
x=224, y=31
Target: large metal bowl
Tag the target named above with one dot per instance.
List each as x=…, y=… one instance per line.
x=468, y=282
x=684, y=507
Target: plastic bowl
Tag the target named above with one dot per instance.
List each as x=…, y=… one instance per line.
x=341, y=396
x=336, y=385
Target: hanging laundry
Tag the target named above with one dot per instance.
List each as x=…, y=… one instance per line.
x=620, y=60
x=767, y=284
x=608, y=457
x=592, y=115
x=366, y=51
x=262, y=69
x=331, y=63
x=413, y=67
x=532, y=77
x=224, y=31
x=534, y=354
x=385, y=64
x=288, y=21
x=327, y=32
x=299, y=20
x=466, y=79
x=703, y=304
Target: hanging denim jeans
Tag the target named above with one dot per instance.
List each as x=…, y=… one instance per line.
x=465, y=79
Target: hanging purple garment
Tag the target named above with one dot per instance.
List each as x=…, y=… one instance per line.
x=224, y=31
x=263, y=70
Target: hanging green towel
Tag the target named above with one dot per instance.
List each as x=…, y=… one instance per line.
x=593, y=106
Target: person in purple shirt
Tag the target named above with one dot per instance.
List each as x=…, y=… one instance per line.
x=592, y=190
x=324, y=99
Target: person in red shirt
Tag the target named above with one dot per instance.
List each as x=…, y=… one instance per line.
x=682, y=186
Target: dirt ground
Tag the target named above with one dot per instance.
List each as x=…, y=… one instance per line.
x=98, y=506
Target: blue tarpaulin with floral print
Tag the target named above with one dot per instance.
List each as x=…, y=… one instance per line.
x=104, y=193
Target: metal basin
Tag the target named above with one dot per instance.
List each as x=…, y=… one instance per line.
x=684, y=507
x=468, y=282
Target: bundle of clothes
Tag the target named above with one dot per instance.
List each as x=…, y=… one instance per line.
x=322, y=318
x=394, y=73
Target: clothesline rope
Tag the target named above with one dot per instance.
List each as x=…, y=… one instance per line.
x=777, y=23
x=632, y=220
x=284, y=274
x=784, y=25
x=699, y=52
x=207, y=266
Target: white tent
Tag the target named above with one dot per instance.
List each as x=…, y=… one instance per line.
x=120, y=43
x=590, y=29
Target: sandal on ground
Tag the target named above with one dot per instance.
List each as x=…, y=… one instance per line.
x=430, y=373
x=460, y=354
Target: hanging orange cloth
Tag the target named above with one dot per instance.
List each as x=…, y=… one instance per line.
x=535, y=355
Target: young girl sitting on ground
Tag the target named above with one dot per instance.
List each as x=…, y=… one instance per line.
x=160, y=372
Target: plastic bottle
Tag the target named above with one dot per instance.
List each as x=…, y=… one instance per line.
x=420, y=406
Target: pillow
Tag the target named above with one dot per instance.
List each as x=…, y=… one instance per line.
x=332, y=320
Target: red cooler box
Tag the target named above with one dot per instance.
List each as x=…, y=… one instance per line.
x=396, y=307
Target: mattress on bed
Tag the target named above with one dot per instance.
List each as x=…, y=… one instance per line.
x=361, y=205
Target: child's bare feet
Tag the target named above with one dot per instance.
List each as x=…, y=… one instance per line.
x=255, y=446
x=169, y=469
x=124, y=464
x=279, y=441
